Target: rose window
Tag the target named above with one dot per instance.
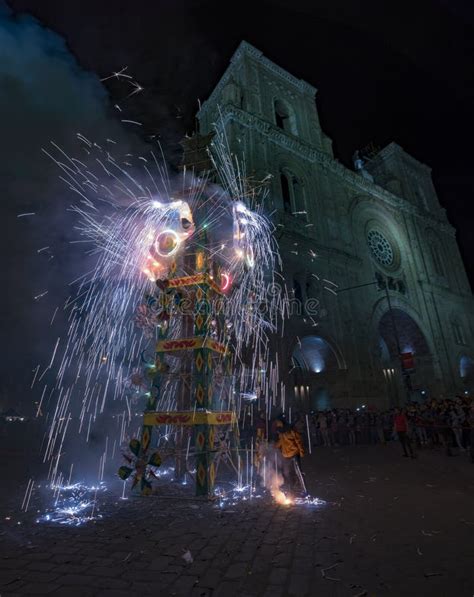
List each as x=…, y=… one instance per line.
x=380, y=247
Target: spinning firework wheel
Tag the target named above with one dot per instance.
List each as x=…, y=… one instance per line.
x=141, y=466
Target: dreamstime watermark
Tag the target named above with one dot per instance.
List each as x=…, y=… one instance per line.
x=274, y=300
x=292, y=305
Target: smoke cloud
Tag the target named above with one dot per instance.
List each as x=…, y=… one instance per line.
x=44, y=96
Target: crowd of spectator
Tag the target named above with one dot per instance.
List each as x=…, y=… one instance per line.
x=448, y=423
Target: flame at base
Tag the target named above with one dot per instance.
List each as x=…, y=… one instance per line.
x=282, y=498
x=274, y=482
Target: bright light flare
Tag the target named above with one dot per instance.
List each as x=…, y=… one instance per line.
x=74, y=504
x=274, y=482
x=167, y=243
x=281, y=498
x=225, y=281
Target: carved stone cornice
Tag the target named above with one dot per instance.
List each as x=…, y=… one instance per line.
x=246, y=49
x=315, y=156
x=395, y=149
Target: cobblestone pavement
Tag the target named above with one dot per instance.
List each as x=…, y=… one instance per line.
x=391, y=526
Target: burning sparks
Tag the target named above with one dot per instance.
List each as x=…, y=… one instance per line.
x=274, y=482
x=74, y=504
x=137, y=232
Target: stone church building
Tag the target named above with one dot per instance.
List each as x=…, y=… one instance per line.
x=368, y=253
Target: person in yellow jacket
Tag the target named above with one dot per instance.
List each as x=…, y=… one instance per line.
x=291, y=447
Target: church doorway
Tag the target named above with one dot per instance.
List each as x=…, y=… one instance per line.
x=315, y=354
x=399, y=331
x=320, y=399
x=316, y=366
x=466, y=372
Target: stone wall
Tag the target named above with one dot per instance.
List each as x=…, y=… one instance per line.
x=354, y=231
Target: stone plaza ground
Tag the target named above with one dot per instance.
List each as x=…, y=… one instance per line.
x=390, y=526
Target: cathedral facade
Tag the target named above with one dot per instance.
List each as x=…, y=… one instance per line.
x=381, y=307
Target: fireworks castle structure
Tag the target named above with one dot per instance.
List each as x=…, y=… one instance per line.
x=197, y=407
x=207, y=266
x=180, y=328
x=405, y=319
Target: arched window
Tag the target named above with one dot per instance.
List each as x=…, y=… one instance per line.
x=292, y=193
x=298, y=198
x=284, y=117
x=437, y=261
x=281, y=116
x=458, y=332
x=285, y=192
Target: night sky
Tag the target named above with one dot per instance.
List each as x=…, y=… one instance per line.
x=384, y=71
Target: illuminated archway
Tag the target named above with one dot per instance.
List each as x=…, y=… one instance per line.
x=411, y=338
x=421, y=379
x=466, y=369
x=315, y=354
